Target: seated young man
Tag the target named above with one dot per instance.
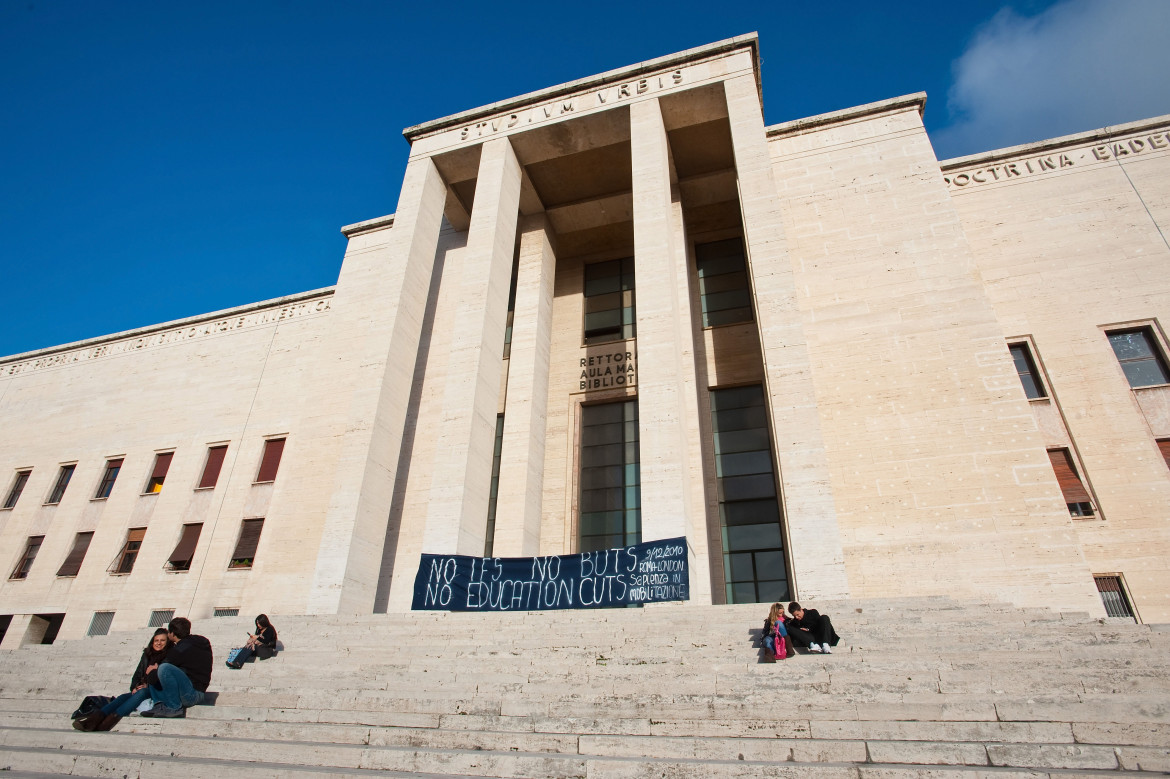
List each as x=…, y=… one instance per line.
x=811, y=629
x=184, y=677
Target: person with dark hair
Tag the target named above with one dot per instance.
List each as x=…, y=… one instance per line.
x=107, y=716
x=184, y=677
x=262, y=643
x=809, y=628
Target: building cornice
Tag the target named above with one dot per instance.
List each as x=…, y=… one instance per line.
x=176, y=324
x=749, y=41
x=894, y=104
x=1088, y=138
x=368, y=226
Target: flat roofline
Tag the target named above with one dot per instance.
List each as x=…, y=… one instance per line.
x=247, y=308
x=1076, y=139
x=916, y=100
x=749, y=41
x=368, y=226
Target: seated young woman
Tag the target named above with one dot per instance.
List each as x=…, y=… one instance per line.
x=262, y=643
x=775, y=635
x=106, y=717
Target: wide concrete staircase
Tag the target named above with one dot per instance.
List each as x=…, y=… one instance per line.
x=923, y=687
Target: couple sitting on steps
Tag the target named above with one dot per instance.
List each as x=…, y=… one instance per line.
x=805, y=628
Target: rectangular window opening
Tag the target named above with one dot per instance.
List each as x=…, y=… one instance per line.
x=1026, y=369
x=225, y=612
x=108, y=478
x=17, y=488
x=754, y=566
x=724, y=290
x=1080, y=504
x=270, y=462
x=180, y=559
x=160, y=618
x=490, y=536
x=162, y=464
x=609, y=301
x=26, y=560
x=1113, y=596
x=211, y=468
x=1164, y=448
x=129, y=553
x=610, y=506
x=100, y=624
x=1140, y=356
x=76, y=556
x=246, y=546
x=63, y=477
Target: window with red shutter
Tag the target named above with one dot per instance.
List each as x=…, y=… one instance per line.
x=162, y=464
x=1075, y=494
x=246, y=546
x=180, y=559
x=76, y=556
x=273, y=449
x=212, y=467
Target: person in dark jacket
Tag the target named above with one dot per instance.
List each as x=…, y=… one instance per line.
x=809, y=628
x=262, y=644
x=184, y=677
x=107, y=716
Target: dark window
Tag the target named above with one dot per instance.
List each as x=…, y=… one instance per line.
x=63, y=477
x=1026, y=368
x=26, y=560
x=162, y=464
x=1113, y=596
x=17, y=488
x=246, y=545
x=160, y=618
x=490, y=539
x=180, y=559
x=754, y=568
x=225, y=612
x=723, y=282
x=129, y=553
x=273, y=448
x=611, y=499
x=76, y=555
x=511, y=310
x=1137, y=351
x=1164, y=448
x=609, y=301
x=212, y=467
x=108, y=478
x=100, y=624
x=1075, y=494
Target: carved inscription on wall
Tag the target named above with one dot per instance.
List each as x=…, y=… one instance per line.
x=607, y=371
x=171, y=336
x=561, y=107
x=1120, y=149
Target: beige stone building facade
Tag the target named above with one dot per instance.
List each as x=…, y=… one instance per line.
x=624, y=309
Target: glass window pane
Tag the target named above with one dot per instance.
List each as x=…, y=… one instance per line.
x=752, y=439
x=750, y=512
x=1144, y=373
x=747, y=487
x=740, y=567
x=742, y=592
x=773, y=591
x=749, y=537
x=1133, y=344
x=743, y=463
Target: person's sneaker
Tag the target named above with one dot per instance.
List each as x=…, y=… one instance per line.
x=162, y=710
x=826, y=649
x=814, y=648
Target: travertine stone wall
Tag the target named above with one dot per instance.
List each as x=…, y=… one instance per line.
x=235, y=377
x=939, y=474
x=1069, y=240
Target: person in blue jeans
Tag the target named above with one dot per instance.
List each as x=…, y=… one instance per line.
x=106, y=717
x=184, y=677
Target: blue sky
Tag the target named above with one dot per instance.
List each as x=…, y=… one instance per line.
x=160, y=160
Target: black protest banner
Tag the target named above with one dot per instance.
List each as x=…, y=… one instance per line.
x=651, y=572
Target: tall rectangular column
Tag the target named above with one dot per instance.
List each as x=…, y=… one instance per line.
x=461, y=481
x=670, y=453
x=378, y=310
x=813, y=534
x=518, y=499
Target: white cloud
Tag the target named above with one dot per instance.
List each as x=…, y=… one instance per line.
x=1079, y=65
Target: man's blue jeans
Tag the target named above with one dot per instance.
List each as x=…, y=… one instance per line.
x=177, y=691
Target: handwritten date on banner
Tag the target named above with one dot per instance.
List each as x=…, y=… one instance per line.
x=651, y=572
